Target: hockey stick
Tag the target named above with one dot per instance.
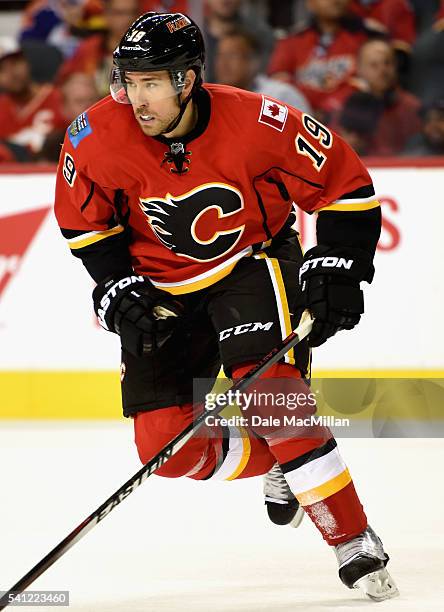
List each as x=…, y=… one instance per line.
x=156, y=462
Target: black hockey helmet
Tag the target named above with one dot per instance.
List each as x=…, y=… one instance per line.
x=159, y=41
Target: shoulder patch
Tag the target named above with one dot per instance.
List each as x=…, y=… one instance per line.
x=79, y=129
x=273, y=114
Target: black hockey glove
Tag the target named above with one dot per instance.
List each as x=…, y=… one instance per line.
x=330, y=280
x=143, y=316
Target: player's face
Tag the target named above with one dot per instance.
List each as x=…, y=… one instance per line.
x=154, y=99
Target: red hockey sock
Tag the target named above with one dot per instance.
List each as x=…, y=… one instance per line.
x=314, y=469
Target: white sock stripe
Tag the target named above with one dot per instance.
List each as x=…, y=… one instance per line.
x=315, y=473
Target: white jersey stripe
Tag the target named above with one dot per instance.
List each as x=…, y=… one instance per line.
x=207, y=274
x=356, y=200
x=91, y=234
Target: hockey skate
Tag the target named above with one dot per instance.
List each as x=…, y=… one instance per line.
x=362, y=564
x=282, y=506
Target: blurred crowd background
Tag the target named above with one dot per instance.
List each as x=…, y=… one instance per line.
x=373, y=70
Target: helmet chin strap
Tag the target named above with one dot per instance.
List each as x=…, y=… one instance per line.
x=183, y=107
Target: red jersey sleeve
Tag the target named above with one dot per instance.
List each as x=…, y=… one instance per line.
x=91, y=216
x=320, y=170
x=322, y=174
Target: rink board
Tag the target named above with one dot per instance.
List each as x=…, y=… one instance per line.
x=53, y=352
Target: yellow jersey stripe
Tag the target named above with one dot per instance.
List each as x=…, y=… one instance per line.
x=196, y=286
x=203, y=280
x=356, y=206
x=325, y=490
x=94, y=237
x=284, y=302
x=246, y=452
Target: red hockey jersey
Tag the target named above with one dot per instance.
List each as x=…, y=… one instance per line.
x=249, y=159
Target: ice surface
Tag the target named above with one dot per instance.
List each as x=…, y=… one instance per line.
x=205, y=546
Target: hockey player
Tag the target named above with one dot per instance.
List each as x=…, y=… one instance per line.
x=177, y=197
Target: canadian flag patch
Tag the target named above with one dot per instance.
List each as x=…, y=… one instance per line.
x=273, y=114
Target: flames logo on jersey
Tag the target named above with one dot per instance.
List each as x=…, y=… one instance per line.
x=180, y=222
x=158, y=216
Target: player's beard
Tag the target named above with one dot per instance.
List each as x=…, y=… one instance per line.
x=157, y=125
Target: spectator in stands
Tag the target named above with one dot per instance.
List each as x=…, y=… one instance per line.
x=427, y=77
x=94, y=55
x=61, y=23
x=28, y=110
x=431, y=139
x=399, y=119
x=358, y=121
x=225, y=16
x=321, y=58
x=396, y=18
x=79, y=92
x=237, y=63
